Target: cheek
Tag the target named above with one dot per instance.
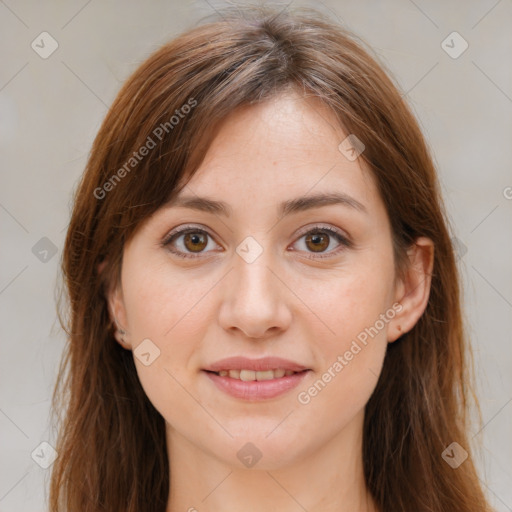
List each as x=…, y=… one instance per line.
x=355, y=312
x=349, y=301
x=168, y=309
x=161, y=303
x=351, y=362
x=173, y=310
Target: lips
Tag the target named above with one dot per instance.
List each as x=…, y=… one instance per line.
x=258, y=365
x=255, y=379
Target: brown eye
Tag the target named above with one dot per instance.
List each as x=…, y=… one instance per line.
x=189, y=242
x=195, y=241
x=322, y=242
x=317, y=242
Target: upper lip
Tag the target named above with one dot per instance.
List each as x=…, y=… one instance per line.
x=262, y=364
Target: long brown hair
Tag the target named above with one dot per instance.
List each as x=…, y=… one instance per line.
x=111, y=445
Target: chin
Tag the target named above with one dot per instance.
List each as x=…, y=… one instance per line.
x=260, y=451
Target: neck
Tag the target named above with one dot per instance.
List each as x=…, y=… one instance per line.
x=327, y=479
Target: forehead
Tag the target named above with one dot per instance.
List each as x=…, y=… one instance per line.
x=285, y=147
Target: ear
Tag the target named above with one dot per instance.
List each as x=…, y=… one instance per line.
x=117, y=311
x=413, y=290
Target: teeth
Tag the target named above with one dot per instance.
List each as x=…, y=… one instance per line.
x=267, y=375
x=247, y=375
x=251, y=375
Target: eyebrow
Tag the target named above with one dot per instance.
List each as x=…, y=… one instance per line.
x=298, y=204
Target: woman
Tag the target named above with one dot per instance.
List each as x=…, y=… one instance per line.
x=264, y=301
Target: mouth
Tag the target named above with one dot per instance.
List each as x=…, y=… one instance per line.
x=255, y=379
x=251, y=379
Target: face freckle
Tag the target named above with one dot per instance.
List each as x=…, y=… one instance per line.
x=265, y=300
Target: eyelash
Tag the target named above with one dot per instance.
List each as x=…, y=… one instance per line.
x=344, y=242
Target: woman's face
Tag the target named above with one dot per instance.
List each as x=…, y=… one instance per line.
x=297, y=265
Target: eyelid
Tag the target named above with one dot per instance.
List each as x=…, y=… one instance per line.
x=322, y=226
x=183, y=228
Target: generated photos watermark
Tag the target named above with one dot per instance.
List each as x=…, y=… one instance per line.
x=137, y=156
x=357, y=345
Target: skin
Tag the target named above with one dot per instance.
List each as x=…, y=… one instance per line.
x=289, y=302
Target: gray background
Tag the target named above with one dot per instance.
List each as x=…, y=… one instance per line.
x=51, y=109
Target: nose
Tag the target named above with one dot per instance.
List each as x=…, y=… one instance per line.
x=255, y=299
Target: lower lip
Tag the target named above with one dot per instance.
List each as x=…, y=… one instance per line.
x=258, y=389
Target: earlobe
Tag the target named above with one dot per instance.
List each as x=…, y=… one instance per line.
x=101, y=266
x=413, y=290
x=117, y=313
x=116, y=309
